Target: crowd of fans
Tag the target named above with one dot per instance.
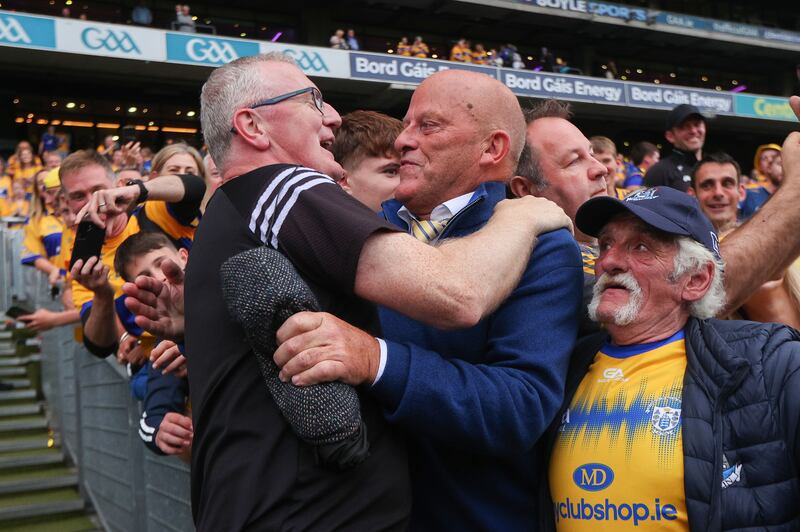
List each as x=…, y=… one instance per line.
x=468, y=368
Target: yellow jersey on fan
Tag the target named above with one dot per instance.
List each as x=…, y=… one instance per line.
x=617, y=462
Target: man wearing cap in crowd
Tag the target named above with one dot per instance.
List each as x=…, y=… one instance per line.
x=686, y=131
x=672, y=419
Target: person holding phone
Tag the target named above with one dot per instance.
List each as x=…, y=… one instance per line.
x=88, y=183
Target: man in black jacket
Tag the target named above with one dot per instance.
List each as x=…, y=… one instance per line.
x=676, y=421
x=686, y=131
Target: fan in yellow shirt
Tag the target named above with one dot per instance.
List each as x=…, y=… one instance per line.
x=171, y=205
x=618, y=457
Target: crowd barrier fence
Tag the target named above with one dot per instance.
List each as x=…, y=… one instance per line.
x=95, y=419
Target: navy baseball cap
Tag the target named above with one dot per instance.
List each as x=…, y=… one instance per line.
x=663, y=208
x=680, y=113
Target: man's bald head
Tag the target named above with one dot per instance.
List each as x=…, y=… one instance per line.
x=461, y=129
x=491, y=104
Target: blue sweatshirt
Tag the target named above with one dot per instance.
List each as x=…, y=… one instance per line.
x=474, y=402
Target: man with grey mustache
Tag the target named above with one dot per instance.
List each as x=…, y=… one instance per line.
x=672, y=419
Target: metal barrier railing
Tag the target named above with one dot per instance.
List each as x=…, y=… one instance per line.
x=96, y=420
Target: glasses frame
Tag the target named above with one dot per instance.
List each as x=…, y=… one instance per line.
x=316, y=97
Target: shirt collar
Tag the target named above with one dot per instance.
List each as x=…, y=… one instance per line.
x=441, y=212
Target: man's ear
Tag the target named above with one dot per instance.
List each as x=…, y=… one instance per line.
x=183, y=253
x=520, y=186
x=742, y=192
x=670, y=136
x=344, y=183
x=250, y=129
x=691, y=191
x=698, y=283
x=498, y=144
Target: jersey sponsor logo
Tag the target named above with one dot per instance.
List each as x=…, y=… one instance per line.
x=308, y=61
x=665, y=415
x=109, y=40
x=637, y=512
x=12, y=31
x=731, y=474
x=203, y=50
x=593, y=477
x=644, y=194
x=613, y=375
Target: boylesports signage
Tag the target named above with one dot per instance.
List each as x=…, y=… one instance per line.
x=146, y=44
x=656, y=19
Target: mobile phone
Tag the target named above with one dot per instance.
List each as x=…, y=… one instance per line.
x=128, y=134
x=88, y=242
x=16, y=311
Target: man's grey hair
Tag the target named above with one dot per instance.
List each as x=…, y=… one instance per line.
x=231, y=87
x=691, y=258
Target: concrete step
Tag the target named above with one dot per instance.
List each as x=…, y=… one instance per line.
x=18, y=383
x=21, y=360
x=26, y=409
x=17, y=395
x=12, y=372
x=35, y=460
x=24, y=444
x=6, y=335
x=27, y=511
x=7, y=350
x=39, y=484
x=13, y=425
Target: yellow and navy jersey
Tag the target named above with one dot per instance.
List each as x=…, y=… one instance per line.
x=42, y=239
x=420, y=50
x=24, y=173
x=5, y=187
x=161, y=216
x=621, y=192
x=617, y=461
x=19, y=208
x=404, y=49
x=588, y=257
x=65, y=251
x=462, y=54
x=480, y=58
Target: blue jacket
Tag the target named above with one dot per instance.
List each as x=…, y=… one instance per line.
x=165, y=393
x=741, y=404
x=474, y=402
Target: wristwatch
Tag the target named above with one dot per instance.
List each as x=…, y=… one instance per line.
x=142, y=189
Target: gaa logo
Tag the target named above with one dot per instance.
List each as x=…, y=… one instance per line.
x=12, y=31
x=593, y=477
x=109, y=40
x=308, y=61
x=208, y=51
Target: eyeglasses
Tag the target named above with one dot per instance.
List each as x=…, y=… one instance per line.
x=316, y=96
